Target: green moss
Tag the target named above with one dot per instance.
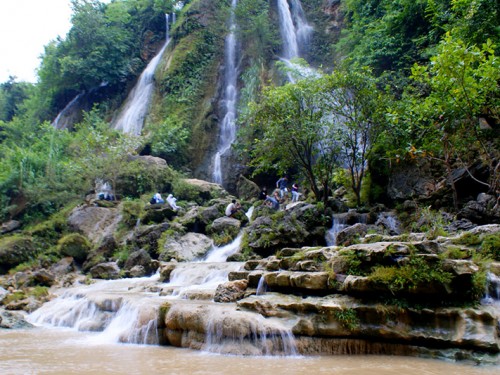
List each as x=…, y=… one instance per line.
x=14, y=297
x=74, y=245
x=39, y=291
x=455, y=252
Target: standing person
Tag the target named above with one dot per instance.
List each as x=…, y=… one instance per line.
x=232, y=208
x=281, y=184
x=295, y=192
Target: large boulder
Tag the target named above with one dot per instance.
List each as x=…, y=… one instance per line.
x=231, y=291
x=74, y=245
x=107, y=271
x=14, y=251
x=224, y=230
x=94, y=222
x=140, y=258
x=246, y=189
x=147, y=236
x=186, y=248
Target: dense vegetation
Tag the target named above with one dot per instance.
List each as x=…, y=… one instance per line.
x=412, y=80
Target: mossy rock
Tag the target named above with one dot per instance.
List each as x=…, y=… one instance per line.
x=15, y=250
x=74, y=245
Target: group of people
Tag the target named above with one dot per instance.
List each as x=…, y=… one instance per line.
x=280, y=195
x=171, y=200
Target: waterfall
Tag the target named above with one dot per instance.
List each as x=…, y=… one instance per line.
x=132, y=115
x=227, y=132
x=339, y=223
x=492, y=290
x=65, y=116
x=295, y=31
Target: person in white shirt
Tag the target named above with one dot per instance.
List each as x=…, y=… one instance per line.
x=171, y=201
x=232, y=208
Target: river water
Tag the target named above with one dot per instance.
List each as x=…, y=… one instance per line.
x=56, y=351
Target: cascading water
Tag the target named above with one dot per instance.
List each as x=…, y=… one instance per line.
x=61, y=121
x=227, y=133
x=127, y=310
x=339, y=223
x=295, y=34
x=134, y=111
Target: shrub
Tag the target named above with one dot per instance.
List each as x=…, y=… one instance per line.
x=491, y=246
x=412, y=275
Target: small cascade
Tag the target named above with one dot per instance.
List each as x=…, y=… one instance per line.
x=390, y=223
x=122, y=310
x=131, y=117
x=339, y=223
x=492, y=290
x=258, y=336
x=227, y=133
x=261, y=287
x=66, y=116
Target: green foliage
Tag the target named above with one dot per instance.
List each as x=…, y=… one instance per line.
x=131, y=211
x=39, y=291
x=12, y=95
x=490, y=246
x=348, y=318
x=455, y=252
x=121, y=254
x=416, y=273
x=468, y=239
x=354, y=262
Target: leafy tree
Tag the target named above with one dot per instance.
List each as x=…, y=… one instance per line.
x=295, y=133
x=12, y=94
x=101, y=152
x=452, y=107
x=357, y=108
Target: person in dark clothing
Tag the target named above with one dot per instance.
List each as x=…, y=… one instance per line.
x=263, y=193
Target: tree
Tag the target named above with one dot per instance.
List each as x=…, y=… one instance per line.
x=295, y=132
x=357, y=109
x=449, y=98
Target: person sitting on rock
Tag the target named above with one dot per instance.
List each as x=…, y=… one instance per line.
x=158, y=198
x=272, y=202
x=171, y=201
x=232, y=208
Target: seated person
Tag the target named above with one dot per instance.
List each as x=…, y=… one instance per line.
x=232, y=208
x=272, y=202
x=171, y=201
x=158, y=198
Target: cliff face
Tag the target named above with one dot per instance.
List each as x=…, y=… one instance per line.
x=190, y=80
